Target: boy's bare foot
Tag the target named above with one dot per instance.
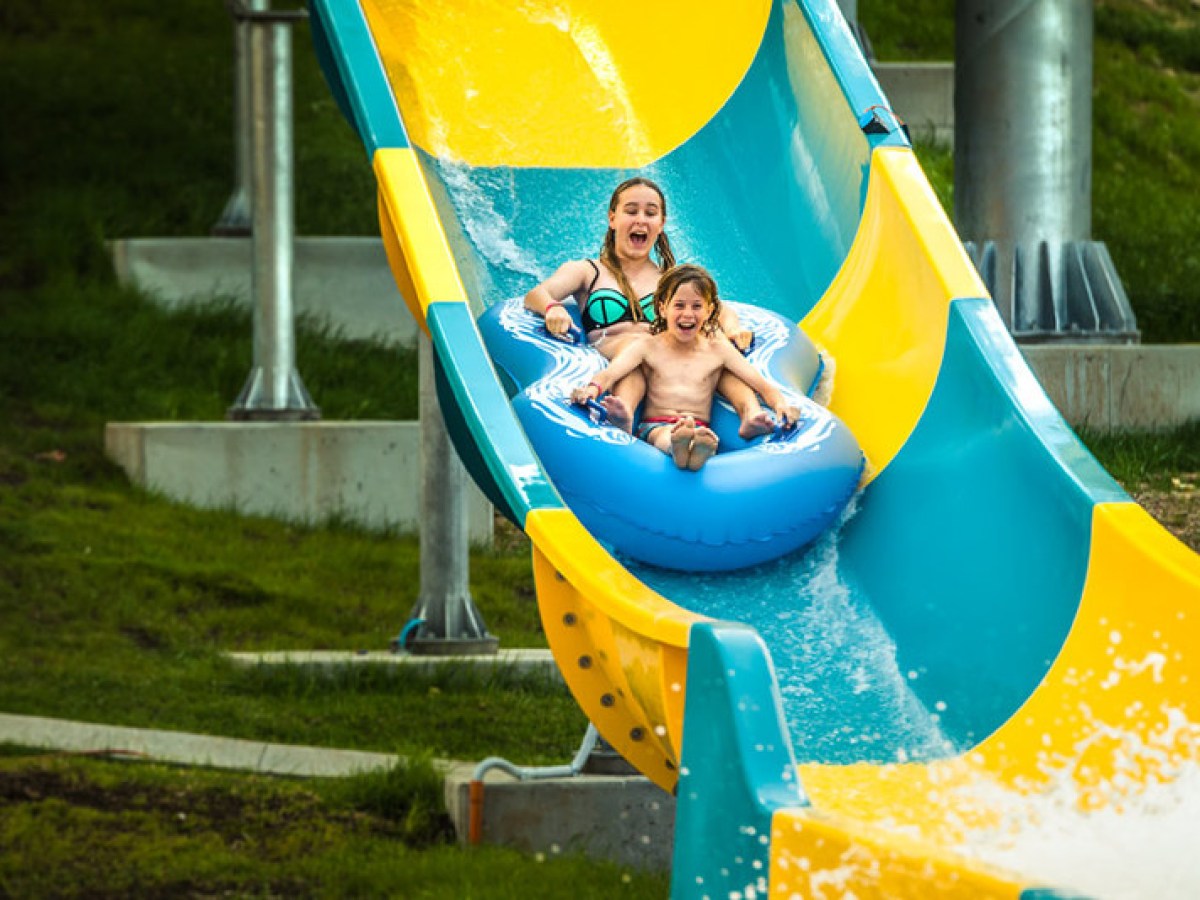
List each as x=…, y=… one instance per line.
x=682, y=433
x=619, y=414
x=704, y=445
x=755, y=424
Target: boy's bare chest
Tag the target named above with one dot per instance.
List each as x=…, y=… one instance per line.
x=690, y=366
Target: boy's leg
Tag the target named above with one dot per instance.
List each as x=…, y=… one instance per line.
x=704, y=445
x=623, y=400
x=755, y=419
x=680, y=440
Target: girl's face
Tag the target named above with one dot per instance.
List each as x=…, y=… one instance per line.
x=636, y=221
x=686, y=312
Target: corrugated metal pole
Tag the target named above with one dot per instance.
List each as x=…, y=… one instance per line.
x=273, y=390
x=1023, y=166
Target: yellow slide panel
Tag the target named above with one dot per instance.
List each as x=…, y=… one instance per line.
x=413, y=237
x=884, y=318
x=817, y=858
x=622, y=647
x=559, y=87
x=1120, y=707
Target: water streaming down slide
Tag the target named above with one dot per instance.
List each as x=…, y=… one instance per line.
x=996, y=643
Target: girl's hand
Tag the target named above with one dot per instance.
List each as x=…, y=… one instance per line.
x=584, y=395
x=788, y=416
x=742, y=339
x=558, y=322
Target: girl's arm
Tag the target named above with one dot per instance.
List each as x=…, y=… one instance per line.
x=731, y=324
x=787, y=414
x=546, y=299
x=632, y=356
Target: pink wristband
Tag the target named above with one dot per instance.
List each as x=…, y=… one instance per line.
x=550, y=306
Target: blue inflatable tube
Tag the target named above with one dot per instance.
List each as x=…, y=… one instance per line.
x=753, y=502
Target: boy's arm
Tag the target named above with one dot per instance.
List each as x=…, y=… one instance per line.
x=736, y=363
x=625, y=362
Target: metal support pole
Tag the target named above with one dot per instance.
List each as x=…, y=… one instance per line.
x=449, y=622
x=1023, y=167
x=274, y=390
x=235, y=218
x=849, y=10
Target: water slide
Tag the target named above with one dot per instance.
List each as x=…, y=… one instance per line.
x=984, y=682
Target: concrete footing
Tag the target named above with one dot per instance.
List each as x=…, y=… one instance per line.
x=365, y=472
x=922, y=94
x=628, y=820
x=343, y=281
x=1145, y=387
x=524, y=662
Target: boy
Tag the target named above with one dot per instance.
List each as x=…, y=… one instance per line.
x=682, y=359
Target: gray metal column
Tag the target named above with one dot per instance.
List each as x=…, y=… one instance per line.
x=235, y=218
x=1023, y=168
x=273, y=390
x=849, y=9
x=448, y=622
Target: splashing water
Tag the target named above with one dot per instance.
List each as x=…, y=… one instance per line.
x=476, y=200
x=1140, y=847
x=844, y=696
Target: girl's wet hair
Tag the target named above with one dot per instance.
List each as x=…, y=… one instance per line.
x=608, y=251
x=675, y=278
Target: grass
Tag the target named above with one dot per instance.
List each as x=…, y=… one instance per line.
x=1147, y=458
x=110, y=592
x=104, y=829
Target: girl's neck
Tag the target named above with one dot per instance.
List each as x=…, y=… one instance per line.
x=633, y=267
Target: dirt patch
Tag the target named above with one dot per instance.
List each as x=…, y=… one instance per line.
x=1176, y=506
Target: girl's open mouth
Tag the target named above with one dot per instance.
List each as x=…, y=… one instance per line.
x=638, y=238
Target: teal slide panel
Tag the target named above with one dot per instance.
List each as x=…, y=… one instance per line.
x=352, y=68
x=980, y=586
x=852, y=74
x=736, y=765
x=480, y=420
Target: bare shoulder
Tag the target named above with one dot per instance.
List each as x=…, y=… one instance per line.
x=570, y=278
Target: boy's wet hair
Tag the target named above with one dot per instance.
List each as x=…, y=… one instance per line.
x=608, y=250
x=675, y=278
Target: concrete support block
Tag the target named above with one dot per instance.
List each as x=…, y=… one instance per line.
x=922, y=94
x=344, y=281
x=1121, y=387
x=365, y=472
x=628, y=820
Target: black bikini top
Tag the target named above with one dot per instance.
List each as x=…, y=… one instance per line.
x=606, y=307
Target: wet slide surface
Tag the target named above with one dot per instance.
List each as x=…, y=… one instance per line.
x=984, y=681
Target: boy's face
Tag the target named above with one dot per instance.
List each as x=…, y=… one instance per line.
x=636, y=221
x=686, y=311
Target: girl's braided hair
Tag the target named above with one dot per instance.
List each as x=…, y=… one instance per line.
x=675, y=278
x=608, y=251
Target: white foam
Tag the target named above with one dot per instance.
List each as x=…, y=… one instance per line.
x=1143, y=847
